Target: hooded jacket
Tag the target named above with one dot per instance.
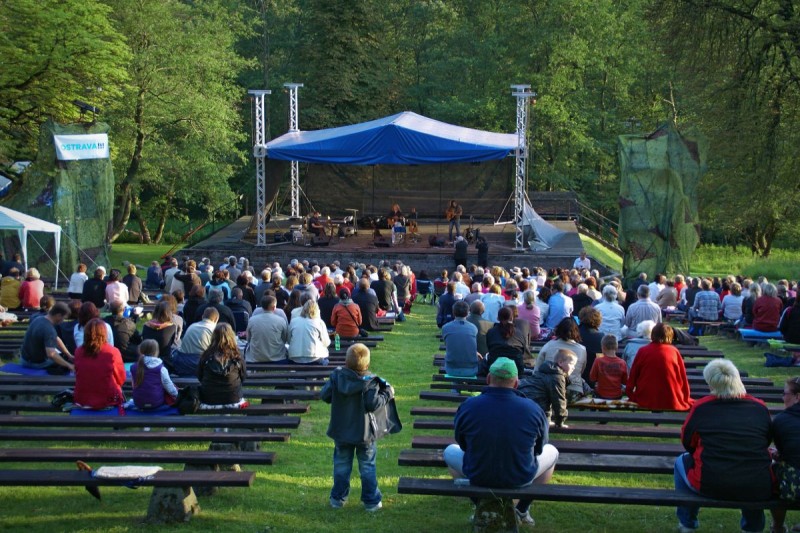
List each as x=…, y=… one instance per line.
x=548, y=387
x=358, y=407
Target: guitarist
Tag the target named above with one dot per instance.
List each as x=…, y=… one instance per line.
x=453, y=215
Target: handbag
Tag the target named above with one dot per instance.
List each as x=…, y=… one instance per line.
x=361, y=331
x=788, y=481
x=188, y=400
x=386, y=419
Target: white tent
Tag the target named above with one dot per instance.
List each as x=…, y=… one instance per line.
x=22, y=224
x=537, y=232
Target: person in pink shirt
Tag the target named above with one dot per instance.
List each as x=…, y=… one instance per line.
x=31, y=290
x=116, y=291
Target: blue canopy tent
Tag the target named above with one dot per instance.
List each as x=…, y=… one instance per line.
x=402, y=139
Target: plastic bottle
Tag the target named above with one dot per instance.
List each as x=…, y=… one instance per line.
x=337, y=342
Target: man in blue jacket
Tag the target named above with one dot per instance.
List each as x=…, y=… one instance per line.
x=502, y=438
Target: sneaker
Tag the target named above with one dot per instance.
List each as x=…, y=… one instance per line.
x=685, y=529
x=373, y=508
x=337, y=504
x=524, y=518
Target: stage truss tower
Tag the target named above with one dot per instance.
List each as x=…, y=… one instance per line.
x=522, y=93
x=293, y=127
x=260, y=154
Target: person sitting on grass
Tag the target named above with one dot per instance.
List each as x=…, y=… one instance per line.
x=152, y=386
x=358, y=399
x=548, y=387
x=609, y=372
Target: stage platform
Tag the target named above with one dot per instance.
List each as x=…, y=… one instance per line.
x=236, y=239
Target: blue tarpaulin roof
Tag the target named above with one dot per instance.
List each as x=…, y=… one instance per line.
x=402, y=139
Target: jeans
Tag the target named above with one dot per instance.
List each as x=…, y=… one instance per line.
x=343, y=466
x=455, y=222
x=454, y=458
x=752, y=519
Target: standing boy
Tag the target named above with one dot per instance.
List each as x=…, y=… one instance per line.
x=358, y=406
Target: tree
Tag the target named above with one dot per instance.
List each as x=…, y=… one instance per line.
x=177, y=122
x=53, y=53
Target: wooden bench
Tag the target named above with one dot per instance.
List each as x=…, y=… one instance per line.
x=173, y=499
x=84, y=435
x=259, y=423
x=709, y=327
x=10, y=406
x=250, y=394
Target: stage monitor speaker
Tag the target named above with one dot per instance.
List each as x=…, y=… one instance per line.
x=383, y=242
x=320, y=241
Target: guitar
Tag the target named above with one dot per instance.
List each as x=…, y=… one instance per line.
x=450, y=213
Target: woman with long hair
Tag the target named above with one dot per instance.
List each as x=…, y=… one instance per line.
x=567, y=337
x=754, y=293
x=163, y=330
x=87, y=312
x=222, y=369
x=99, y=371
x=529, y=312
x=152, y=386
x=505, y=340
x=327, y=301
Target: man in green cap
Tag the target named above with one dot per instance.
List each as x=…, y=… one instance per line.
x=502, y=438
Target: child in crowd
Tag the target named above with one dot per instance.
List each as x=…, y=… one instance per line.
x=610, y=372
x=152, y=386
x=358, y=418
x=548, y=386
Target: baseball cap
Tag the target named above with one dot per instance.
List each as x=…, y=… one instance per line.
x=504, y=368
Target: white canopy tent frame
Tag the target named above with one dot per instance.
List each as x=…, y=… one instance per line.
x=21, y=223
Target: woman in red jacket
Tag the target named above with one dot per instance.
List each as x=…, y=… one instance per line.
x=657, y=378
x=767, y=310
x=99, y=372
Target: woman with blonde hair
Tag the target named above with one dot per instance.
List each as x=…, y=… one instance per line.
x=308, y=337
x=31, y=290
x=725, y=459
x=222, y=369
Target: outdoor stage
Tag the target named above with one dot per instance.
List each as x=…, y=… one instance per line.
x=236, y=239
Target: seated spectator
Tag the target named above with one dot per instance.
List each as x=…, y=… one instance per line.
x=732, y=304
x=87, y=312
x=66, y=329
x=386, y=291
x=641, y=338
x=76, y=281
x=368, y=304
x=124, y=332
x=476, y=319
x=657, y=378
x=31, y=290
x=725, y=459
x=444, y=312
x=45, y=303
x=613, y=314
x=116, y=291
x=790, y=323
x=327, y=302
x=609, y=372
x=492, y=300
x=195, y=341
x=155, y=277
x=267, y=334
x=560, y=305
x=548, y=387
x=308, y=337
x=753, y=294
x=163, y=330
x=591, y=338
x=567, y=337
x=529, y=312
x=461, y=357
x=346, y=316
x=767, y=310
x=41, y=347
x=241, y=307
x=196, y=299
x=581, y=299
x=134, y=284
x=99, y=371
x=222, y=370
x=94, y=290
x=667, y=299
x=643, y=309
x=786, y=434
x=9, y=290
x=505, y=340
x=152, y=386
x=215, y=301
x=218, y=282
x=706, y=306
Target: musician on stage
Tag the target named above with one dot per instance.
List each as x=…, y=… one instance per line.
x=394, y=215
x=315, y=225
x=453, y=215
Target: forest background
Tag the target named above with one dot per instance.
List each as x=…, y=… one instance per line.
x=171, y=78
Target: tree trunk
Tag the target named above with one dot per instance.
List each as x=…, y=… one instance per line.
x=137, y=213
x=162, y=221
x=122, y=213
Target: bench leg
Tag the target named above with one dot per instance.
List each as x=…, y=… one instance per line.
x=171, y=505
x=495, y=515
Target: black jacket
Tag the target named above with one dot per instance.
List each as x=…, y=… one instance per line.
x=94, y=290
x=368, y=304
x=790, y=325
x=126, y=338
x=355, y=420
x=548, y=388
x=786, y=432
x=591, y=339
x=221, y=384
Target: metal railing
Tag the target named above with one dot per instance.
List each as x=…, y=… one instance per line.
x=598, y=226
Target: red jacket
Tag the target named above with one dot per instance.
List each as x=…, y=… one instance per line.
x=767, y=313
x=98, y=380
x=657, y=379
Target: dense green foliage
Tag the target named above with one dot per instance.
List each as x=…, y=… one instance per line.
x=174, y=76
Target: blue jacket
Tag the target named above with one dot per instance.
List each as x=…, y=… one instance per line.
x=497, y=431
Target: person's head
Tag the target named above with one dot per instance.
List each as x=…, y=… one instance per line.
x=460, y=309
x=236, y=293
x=705, y=284
x=81, y=267
x=197, y=292
x=268, y=303
x=609, y=345
x=32, y=273
x=116, y=307
x=583, y=288
x=46, y=302
x=566, y=361
x=13, y=272
x=114, y=275
x=215, y=296
x=755, y=291
x=451, y=287
x=162, y=312
x=609, y=293
x=662, y=334
x=723, y=379
x=211, y=314
x=791, y=392
x=88, y=311
x=95, y=336
x=643, y=292
x=310, y=309
x=544, y=294
x=223, y=344
x=770, y=290
x=357, y=358
x=177, y=297
x=503, y=373
x=590, y=317
x=344, y=293
x=558, y=286
x=131, y=269
x=529, y=297
x=477, y=307
x=147, y=348
x=567, y=330
x=736, y=289
x=330, y=290
x=58, y=312
x=505, y=318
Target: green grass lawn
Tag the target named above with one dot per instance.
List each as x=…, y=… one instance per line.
x=292, y=495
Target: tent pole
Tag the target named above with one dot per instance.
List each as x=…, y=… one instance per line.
x=440, y=201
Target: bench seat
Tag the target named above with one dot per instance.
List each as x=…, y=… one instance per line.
x=116, y=455
x=83, y=435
